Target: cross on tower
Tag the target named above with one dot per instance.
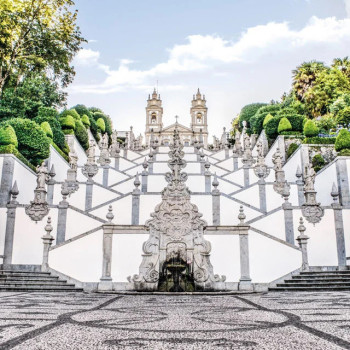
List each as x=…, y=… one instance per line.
x=176, y=117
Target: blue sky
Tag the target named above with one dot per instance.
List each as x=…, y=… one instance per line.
x=236, y=51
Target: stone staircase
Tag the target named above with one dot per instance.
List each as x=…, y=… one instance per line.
x=33, y=281
x=328, y=280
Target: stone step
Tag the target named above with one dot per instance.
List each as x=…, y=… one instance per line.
x=336, y=272
x=323, y=284
x=25, y=283
x=308, y=289
x=321, y=277
x=40, y=289
x=317, y=280
x=23, y=273
x=28, y=278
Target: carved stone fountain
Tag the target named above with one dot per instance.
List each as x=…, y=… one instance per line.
x=176, y=257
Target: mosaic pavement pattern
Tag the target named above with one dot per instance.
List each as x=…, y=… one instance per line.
x=256, y=321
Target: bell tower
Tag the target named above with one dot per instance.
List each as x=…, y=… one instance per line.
x=154, y=113
x=199, y=124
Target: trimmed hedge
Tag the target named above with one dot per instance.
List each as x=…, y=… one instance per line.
x=72, y=112
x=257, y=120
x=11, y=149
x=318, y=162
x=343, y=140
x=47, y=129
x=82, y=110
x=310, y=129
x=58, y=135
x=67, y=124
x=94, y=128
x=101, y=125
x=291, y=149
x=284, y=125
x=106, y=119
x=32, y=141
x=344, y=152
x=267, y=119
x=82, y=134
x=319, y=140
x=85, y=120
x=248, y=111
x=8, y=136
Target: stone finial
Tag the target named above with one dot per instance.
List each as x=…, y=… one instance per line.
x=14, y=192
x=335, y=193
x=286, y=191
x=110, y=215
x=207, y=166
x=64, y=191
x=241, y=215
x=48, y=227
x=52, y=172
x=298, y=174
x=215, y=184
x=301, y=227
x=201, y=155
x=137, y=181
x=145, y=164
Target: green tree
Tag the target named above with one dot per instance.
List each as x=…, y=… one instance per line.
x=342, y=64
x=72, y=112
x=81, y=134
x=310, y=129
x=86, y=121
x=47, y=129
x=107, y=121
x=82, y=109
x=284, y=125
x=101, y=125
x=248, y=111
x=340, y=103
x=37, y=36
x=304, y=77
x=8, y=136
x=257, y=120
x=343, y=117
x=343, y=140
x=326, y=123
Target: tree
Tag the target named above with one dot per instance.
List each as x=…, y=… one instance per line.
x=284, y=125
x=310, y=129
x=257, y=120
x=343, y=117
x=82, y=109
x=248, y=111
x=340, y=103
x=343, y=64
x=34, y=92
x=343, y=140
x=37, y=36
x=106, y=119
x=304, y=77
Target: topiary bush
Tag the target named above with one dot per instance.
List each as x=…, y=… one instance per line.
x=343, y=140
x=318, y=162
x=8, y=136
x=343, y=117
x=101, y=125
x=72, y=112
x=85, y=120
x=319, y=140
x=284, y=125
x=47, y=129
x=310, y=129
x=267, y=119
x=106, y=119
x=94, y=128
x=271, y=127
x=67, y=124
x=248, y=111
x=82, y=110
x=82, y=134
x=256, y=122
x=291, y=149
x=32, y=141
x=296, y=120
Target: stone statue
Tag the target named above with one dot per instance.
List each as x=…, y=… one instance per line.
x=246, y=142
x=42, y=176
x=277, y=160
x=91, y=152
x=309, y=178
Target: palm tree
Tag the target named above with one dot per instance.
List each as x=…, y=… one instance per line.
x=304, y=77
x=343, y=64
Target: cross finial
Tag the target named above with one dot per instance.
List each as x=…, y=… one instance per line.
x=176, y=117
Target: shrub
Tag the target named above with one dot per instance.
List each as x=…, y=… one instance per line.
x=291, y=149
x=271, y=127
x=82, y=134
x=45, y=112
x=68, y=124
x=94, y=128
x=101, y=125
x=47, y=129
x=326, y=123
x=11, y=149
x=248, y=111
x=291, y=132
x=319, y=140
x=256, y=122
x=107, y=120
x=58, y=135
x=310, y=129
x=344, y=152
x=296, y=120
x=82, y=110
x=284, y=125
x=86, y=121
x=32, y=141
x=267, y=119
x=318, y=162
x=72, y=112
x=343, y=117
x=8, y=136
x=343, y=140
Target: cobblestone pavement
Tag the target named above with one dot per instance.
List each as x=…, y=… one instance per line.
x=255, y=321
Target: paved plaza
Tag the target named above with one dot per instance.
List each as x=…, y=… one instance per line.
x=245, y=321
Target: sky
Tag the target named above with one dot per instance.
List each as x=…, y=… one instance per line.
x=236, y=51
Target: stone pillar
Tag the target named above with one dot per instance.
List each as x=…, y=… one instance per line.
x=288, y=215
x=246, y=175
x=216, y=201
x=235, y=161
x=262, y=194
x=62, y=217
x=105, y=175
x=300, y=185
x=245, y=282
x=144, y=185
x=116, y=163
x=105, y=283
x=51, y=185
x=135, y=215
x=8, y=167
x=202, y=161
x=227, y=150
x=339, y=228
x=343, y=181
x=207, y=175
x=302, y=241
x=88, y=194
x=47, y=242
x=10, y=226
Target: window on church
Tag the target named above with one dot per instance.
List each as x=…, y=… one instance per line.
x=199, y=118
x=153, y=118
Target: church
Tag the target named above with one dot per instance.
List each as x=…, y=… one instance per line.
x=197, y=131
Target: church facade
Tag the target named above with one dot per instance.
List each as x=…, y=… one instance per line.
x=197, y=131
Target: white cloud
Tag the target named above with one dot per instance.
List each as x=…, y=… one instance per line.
x=347, y=7
x=202, y=52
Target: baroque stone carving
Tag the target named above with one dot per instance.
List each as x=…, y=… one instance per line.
x=280, y=178
x=90, y=168
x=114, y=149
x=311, y=209
x=261, y=170
x=39, y=208
x=104, y=154
x=176, y=230
x=247, y=159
